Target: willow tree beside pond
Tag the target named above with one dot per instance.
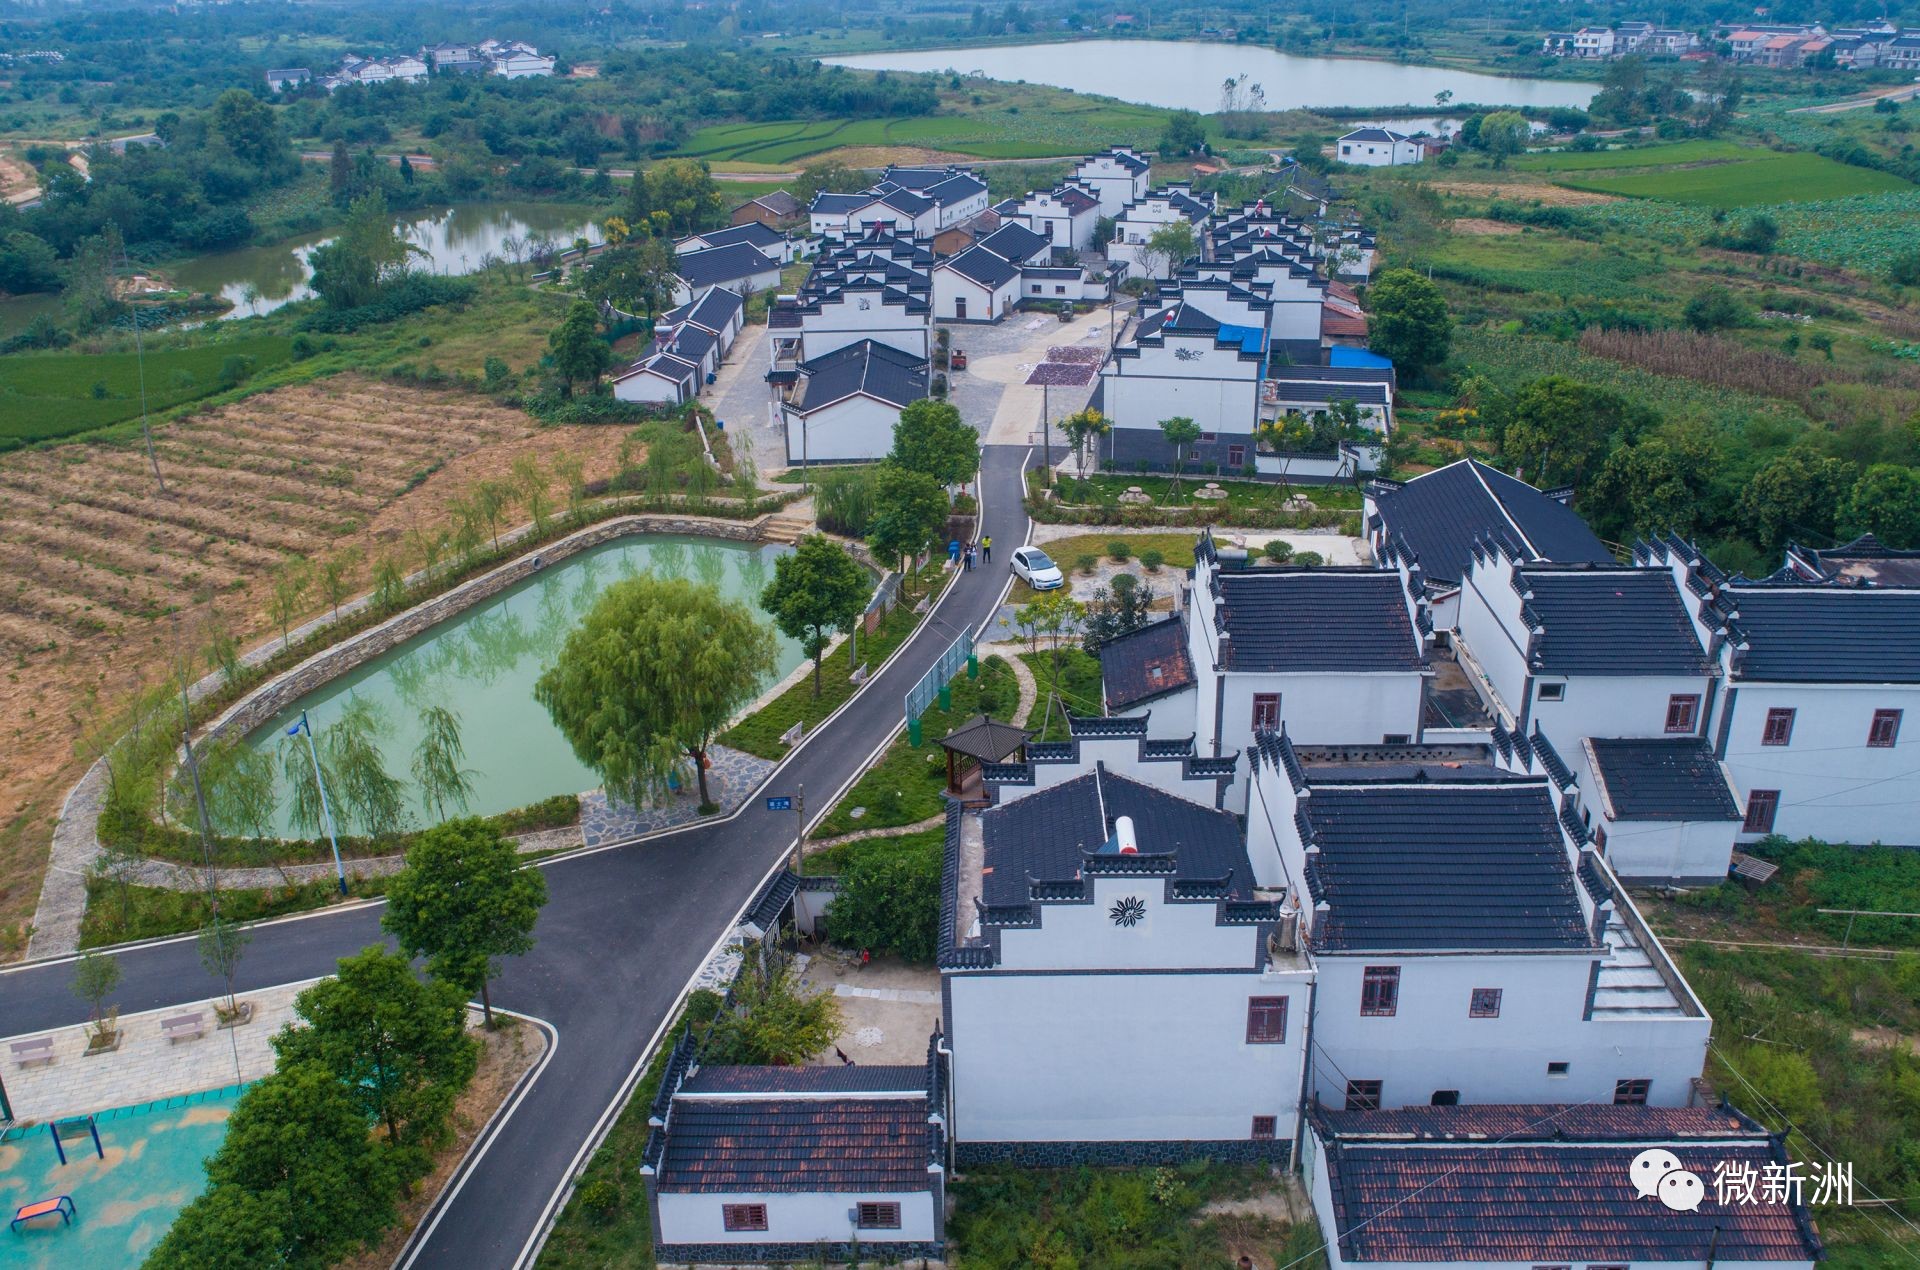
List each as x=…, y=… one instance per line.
x=445, y=786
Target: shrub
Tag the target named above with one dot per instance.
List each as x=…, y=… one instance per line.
x=844, y=501
x=889, y=901
x=1279, y=551
x=1086, y=564
x=303, y=347
x=1307, y=559
x=600, y=1197
x=1152, y=559
x=235, y=370
x=1119, y=551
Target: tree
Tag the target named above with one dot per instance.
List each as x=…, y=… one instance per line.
x=463, y=902
x=578, y=351
x=816, y=591
x=1049, y=616
x=95, y=976
x=1083, y=428
x=637, y=276
x=828, y=176
x=226, y=1228
x=1885, y=501
x=251, y=130
x=370, y=252
x=530, y=482
x=444, y=785
x=398, y=1045
x=931, y=437
x=1166, y=249
x=1796, y=493
x=1504, y=133
x=909, y=514
x=336, y=578
x=1556, y=429
x=290, y=582
x=1409, y=323
x=1112, y=613
x=366, y=794
x=1180, y=432
x=685, y=190
x=298, y=1143
x=221, y=945
x=1714, y=309
x=1657, y=485
x=650, y=677
x=889, y=901
x=773, y=1020
x=1186, y=133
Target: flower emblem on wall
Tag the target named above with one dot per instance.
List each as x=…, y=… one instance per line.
x=1128, y=911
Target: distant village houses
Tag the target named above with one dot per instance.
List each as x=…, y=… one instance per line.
x=512, y=59
x=1628, y=37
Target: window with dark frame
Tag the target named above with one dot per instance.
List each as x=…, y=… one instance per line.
x=1559, y=1067
x=744, y=1216
x=1363, y=1095
x=1553, y=692
x=1264, y=1128
x=1266, y=1020
x=874, y=1215
x=1884, y=732
x=1600, y=839
x=1761, y=804
x=1445, y=1098
x=1683, y=709
x=1485, y=1003
x=1236, y=456
x=1266, y=710
x=1779, y=727
x=1380, y=991
x=1631, y=1093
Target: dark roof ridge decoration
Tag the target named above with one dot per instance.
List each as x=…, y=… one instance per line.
x=1550, y=759
x=1219, y=769
x=985, y=739
x=1447, y=513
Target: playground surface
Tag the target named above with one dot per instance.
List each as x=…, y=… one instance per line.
x=125, y=1196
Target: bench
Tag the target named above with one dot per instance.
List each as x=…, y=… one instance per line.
x=61, y=1204
x=38, y=1049
x=182, y=1027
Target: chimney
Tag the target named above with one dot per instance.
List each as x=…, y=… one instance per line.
x=1123, y=836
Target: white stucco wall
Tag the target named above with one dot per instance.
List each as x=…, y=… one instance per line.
x=1494, y=1060
x=1169, y=718
x=1614, y=706
x=1647, y=851
x=984, y=304
x=856, y=428
x=1321, y=709
x=647, y=388
x=1158, y=1055
x=1121, y=755
x=1186, y=376
x=1832, y=785
x=808, y=1217
x=852, y=316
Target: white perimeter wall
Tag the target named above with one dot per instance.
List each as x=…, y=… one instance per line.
x=791, y=1218
x=1832, y=785
x=856, y=428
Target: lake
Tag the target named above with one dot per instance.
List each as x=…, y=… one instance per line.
x=1187, y=74
x=482, y=664
x=455, y=239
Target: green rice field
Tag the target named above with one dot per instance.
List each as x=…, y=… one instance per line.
x=987, y=134
x=1768, y=177
x=47, y=395
x=1634, y=157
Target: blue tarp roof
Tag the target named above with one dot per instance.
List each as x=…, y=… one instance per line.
x=1253, y=339
x=1341, y=355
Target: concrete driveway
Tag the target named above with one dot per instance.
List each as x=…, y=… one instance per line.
x=992, y=392
x=741, y=398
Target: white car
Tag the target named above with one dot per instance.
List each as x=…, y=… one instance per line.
x=1031, y=565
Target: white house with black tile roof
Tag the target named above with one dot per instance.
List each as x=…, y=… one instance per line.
x=1294, y=290
x=1118, y=177
x=738, y=267
x=1469, y=947
x=1065, y=216
x=975, y=286
x=1336, y=655
x=768, y=241
x=846, y=402
x=1110, y=991
x=1135, y=224
x=1430, y=525
x=1378, y=148
x=1181, y=361
x=1662, y=808
x=1866, y=561
x=1817, y=682
x=1523, y=1186
x=785, y=1164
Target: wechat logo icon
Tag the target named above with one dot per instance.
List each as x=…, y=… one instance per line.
x=1656, y=1173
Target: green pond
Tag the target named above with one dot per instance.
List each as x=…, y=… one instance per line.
x=482, y=664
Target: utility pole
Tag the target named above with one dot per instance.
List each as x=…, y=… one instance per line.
x=800, y=824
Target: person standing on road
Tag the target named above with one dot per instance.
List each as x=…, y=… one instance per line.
x=953, y=551
x=986, y=549
x=969, y=557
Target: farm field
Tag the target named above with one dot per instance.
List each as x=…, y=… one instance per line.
x=1774, y=178
x=1634, y=157
x=99, y=573
x=1000, y=133
x=50, y=395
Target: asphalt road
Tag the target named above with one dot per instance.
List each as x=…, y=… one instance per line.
x=624, y=929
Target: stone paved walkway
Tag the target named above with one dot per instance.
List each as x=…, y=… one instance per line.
x=148, y=1066
x=730, y=778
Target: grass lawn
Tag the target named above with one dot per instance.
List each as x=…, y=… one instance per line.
x=1775, y=178
x=1242, y=495
x=1079, y=688
x=116, y=914
x=906, y=785
x=1634, y=157
x=1176, y=545
x=49, y=395
x=759, y=733
x=836, y=859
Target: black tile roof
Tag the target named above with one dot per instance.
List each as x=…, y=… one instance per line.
x=1321, y=390
x=1126, y=159
x=780, y=203
x=1145, y=664
x=1442, y=513
x=1538, y=1122
x=1535, y=1203
x=801, y=1144
x=717, y=308
x=1826, y=634
x=1430, y=865
x=1180, y=316
x=880, y=1078
x=1016, y=243
x=1610, y=621
x=753, y=233
x=906, y=201
x=718, y=266
x=1317, y=620
x=1664, y=778
x=987, y=740
x=1372, y=134
x=1045, y=835
x=955, y=189
x=665, y=365
x=870, y=367
x=826, y=204
x=983, y=267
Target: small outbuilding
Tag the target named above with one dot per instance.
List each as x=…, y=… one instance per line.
x=981, y=741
